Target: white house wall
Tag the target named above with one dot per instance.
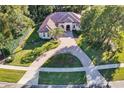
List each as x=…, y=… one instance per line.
x=71, y=26
x=44, y=35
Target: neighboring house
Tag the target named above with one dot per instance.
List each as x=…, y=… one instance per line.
x=67, y=20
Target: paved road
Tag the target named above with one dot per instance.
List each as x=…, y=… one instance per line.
x=9, y=85
x=117, y=84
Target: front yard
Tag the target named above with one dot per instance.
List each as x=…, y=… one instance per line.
x=63, y=60
x=62, y=78
x=33, y=46
x=12, y=76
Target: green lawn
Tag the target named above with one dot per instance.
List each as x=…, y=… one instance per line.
x=13, y=76
x=32, y=44
x=113, y=74
x=63, y=60
x=62, y=78
x=99, y=56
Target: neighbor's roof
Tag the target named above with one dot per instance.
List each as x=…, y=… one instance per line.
x=53, y=19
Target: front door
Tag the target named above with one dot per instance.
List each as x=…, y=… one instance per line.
x=68, y=28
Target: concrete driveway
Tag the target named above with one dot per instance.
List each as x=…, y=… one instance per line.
x=68, y=45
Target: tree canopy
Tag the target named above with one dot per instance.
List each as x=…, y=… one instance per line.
x=103, y=26
x=13, y=20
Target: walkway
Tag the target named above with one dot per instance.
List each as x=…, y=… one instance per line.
x=70, y=69
x=79, y=69
x=68, y=44
x=13, y=67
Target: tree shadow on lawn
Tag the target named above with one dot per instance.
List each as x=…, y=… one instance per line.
x=34, y=44
x=34, y=41
x=100, y=56
x=108, y=74
x=63, y=60
x=97, y=58
x=62, y=78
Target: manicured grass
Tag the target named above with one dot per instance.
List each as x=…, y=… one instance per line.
x=121, y=57
x=98, y=56
x=63, y=60
x=113, y=74
x=32, y=44
x=13, y=76
x=62, y=78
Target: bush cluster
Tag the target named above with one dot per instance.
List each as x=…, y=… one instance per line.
x=31, y=56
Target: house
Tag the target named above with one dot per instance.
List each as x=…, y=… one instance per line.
x=67, y=20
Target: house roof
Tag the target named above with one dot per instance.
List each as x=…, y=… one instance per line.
x=53, y=19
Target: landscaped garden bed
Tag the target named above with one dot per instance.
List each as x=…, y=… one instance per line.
x=62, y=78
x=7, y=75
x=63, y=60
x=113, y=74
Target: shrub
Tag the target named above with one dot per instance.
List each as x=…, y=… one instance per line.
x=6, y=52
x=9, y=59
x=31, y=56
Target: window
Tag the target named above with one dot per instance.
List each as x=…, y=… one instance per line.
x=43, y=34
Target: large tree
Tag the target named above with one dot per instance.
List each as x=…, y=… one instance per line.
x=38, y=13
x=102, y=26
x=14, y=20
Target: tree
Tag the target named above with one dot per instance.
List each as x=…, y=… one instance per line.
x=2, y=43
x=57, y=32
x=14, y=23
x=38, y=13
x=103, y=27
x=69, y=8
x=14, y=19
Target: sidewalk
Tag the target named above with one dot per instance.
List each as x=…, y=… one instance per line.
x=79, y=69
x=14, y=67
x=117, y=84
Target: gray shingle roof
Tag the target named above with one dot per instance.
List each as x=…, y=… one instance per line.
x=53, y=19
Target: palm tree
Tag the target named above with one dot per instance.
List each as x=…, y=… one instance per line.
x=57, y=32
